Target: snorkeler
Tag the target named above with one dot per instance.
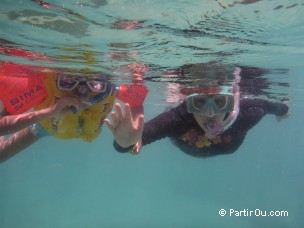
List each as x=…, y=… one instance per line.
x=75, y=108
x=66, y=106
x=212, y=120
x=21, y=89
x=97, y=96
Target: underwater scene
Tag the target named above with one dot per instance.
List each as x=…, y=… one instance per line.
x=129, y=113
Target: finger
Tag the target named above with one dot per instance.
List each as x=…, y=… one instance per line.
x=114, y=118
x=140, y=123
x=66, y=105
x=70, y=99
x=119, y=111
x=74, y=107
x=133, y=152
x=128, y=114
x=73, y=102
x=65, y=110
x=110, y=125
x=136, y=149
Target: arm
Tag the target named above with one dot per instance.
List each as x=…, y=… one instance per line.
x=14, y=123
x=253, y=110
x=27, y=135
x=267, y=107
x=16, y=143
x=169, y=123
x=278, y=109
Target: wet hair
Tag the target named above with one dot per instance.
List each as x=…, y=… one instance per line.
x=207, y=74
x=210, y=78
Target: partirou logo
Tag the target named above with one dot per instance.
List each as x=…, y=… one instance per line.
x=256, y=212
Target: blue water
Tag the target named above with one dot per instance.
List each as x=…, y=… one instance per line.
x=57, y=183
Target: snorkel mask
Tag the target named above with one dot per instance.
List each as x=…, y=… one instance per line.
x=69, y=83
x=134, y=95
x=95, y=84
x=215, y=99
x=210, y=104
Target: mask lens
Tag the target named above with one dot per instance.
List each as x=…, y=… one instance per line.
x=220, y=101
x=67, y=83
x=97, y=86
x=199, y=102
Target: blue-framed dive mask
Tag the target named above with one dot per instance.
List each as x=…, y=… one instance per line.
x=210, y=104
x=69, y=83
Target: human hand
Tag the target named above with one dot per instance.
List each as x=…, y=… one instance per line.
x=280, y=118
x=65, y=105
x=126, y=131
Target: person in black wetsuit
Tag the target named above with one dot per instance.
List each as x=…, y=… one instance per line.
x=212, y=120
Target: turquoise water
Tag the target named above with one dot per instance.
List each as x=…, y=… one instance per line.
x=57, y=183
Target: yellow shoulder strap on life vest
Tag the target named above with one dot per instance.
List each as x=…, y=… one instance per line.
x=53, y=93
x=54, y=125
x=94, y=117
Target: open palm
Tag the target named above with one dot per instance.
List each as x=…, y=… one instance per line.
x=126, y=131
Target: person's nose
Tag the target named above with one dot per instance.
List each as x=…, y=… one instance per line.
x=210, y=111
x=82, y=88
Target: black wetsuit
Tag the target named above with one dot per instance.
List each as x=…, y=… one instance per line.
x=186, y=134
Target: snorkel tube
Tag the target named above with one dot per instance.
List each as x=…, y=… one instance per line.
x=218, y=128
x=236, y=93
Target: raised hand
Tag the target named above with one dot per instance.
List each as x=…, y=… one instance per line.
x=126, y=131
x=65, y=105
